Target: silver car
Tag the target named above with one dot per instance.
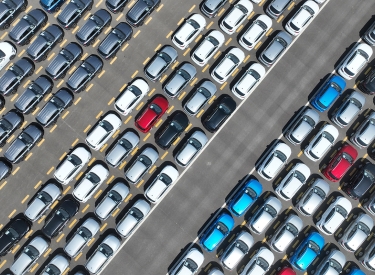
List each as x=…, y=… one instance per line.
x=275, y=48
x=368, y=257
x=215, y=271
x=246, y=84
x=260, y=263
x=190, y=264
x=161, y=183
x=237, y=250
x=349, y=109
x=179, y=80
x=191, y=148
x=111, y=201
x=265, y=215
x=141, y=165
x=57, y=266
x=42, y=202
x=81, y=237
x=200, y=97
x=121, y=150
x=313, y=197
x=365, y=133
x=29, y=255
x=133, y=217
x=369, y=35
x=286, y=233
x=160, y=63
x=332, y=264
x=102, y=254
x=302, y=125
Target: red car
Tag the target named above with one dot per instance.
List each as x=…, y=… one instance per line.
x=154, y=111
x=287, y=271
x=340, y=163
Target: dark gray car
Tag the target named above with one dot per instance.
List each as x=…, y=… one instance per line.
x=180, y=79
x=140, y=10
x=28, y=26
x=9, y=10
x=64, y=60
x=210, y=8
x=93, y=27
x=24, y=143
x=45, y=42
x=84, y=73
x=160, y=63
x=33, y=94
x=5, y=169
x=222, y=111
x=71, y=14
x=114, y=40
x=274, y=49
x=9, y=123
x=116, y=6
x=277, y=7
x=54, y=107
x=13, y=77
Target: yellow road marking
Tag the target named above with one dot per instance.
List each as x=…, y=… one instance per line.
x=84, y=56
x=280, y=18
x=14, y=97
x=86, y=207
x=212, y=99
x=43, y=217
x=50, y=57
x=101, y=74
x=131, y=4
x=47, y=252
x=161, y=6
x=28, y=234
x=21, y=53
x=91, y=241
x=4, y=34
x=140, y=105
x=157, y=48
x=96, y=43
x=239, y=28
x=10, y=139
x=209, y=25
x=63, y=43
x=152, y=169
x=91, y=161
x=175, y=64
x=123, y=86
x=34, y=267
x=99, y=114
x=151, y=92
x=186, y=52
x=45, y=27
x=181, y=20
x=269, y=31
x=118, y=17
x=41, y=142
x=25, y=198
x=188, y=128
x=65, y=114
x=140, y=183
x=3, y=184
x=28, y=9
x=103, y=147
x=15, y=22
x=15, y=171
x=107, y=30
x=221, y=12
x=228, y=41
x=205, y=68
x=200, y=113
x=136, y=34
x=14, y=250
x=217, y=54
x=27, y=83
x=163, y=78
x=191, y=9
x=182, y=95
x=67, y=190
x=124, y=48
x=28, y=156
x=169, y=34
x=87, y=16
x=246, y=58
x=223, y=86
x=368, y=70
x=71, y=70
x=75, y=142
x=128, y=197
x=53, y=128
x=110, y=179
x=60, y=238
x=87, y=128
x=116, y=212
x=147, y=136
x=79, y=256
x=11, y=214
x=158, y=123
x=134, y=74
x=98, y=193
x=198, y=38
x=72, y=223
x=38, y=184
x=235, y=72
x=122, y=165
x=147, y=59
x=300, y=154
x=164, y=155
x=291, y=5
x=170, y=109
x=134, y=151
x=77, y=177
x=111, y=101
x=127, y=120
x=60, y=83
x=38, y=70
x=148, y=20
x=23, y=124
x=103, y=226
x=98, y=4
x=75, y=29
x=116, y=133
x=251, y=15
x=193, y=82
x=258, y=45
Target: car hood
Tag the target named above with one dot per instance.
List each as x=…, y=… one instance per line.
x=232, y=18
x=68, y=12
x=224, y=67
x=25, y=99
x=78, y=76
x=3, y=9
x=6, y=79
x=125, y=100
x=96, y=135
x=156, y=190
x=34, y=209
x=47, y=112
x=242, y=203
x=363, y=185
x=137, y=10
x=35, y=48
x=20, y=264
x=19, y=29
x=213, y=239
x=328, y=96
x=349, y=113
x=116, y=154
x=15, y=149
x=262, y=222
x=127, y=225
x=64, y=169
x=175, y=84
x=6, y=242
x=56, y=64
x=97, y=260
x=75, y=244
x=334, y=222
x=156, y=66
x=306, y=258
x=87, y=29
x=302, y=130
x=105, y=207
x=51, y=227
x=185, y=30
x=187, y=153
x=108, y=44
x=253, y=34
x=321, y=147
x=342, y=166
x=291, y=187
x=147, y=118
x=83, y=189
x=312, y=203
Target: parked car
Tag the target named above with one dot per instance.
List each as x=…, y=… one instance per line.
x=115, y=39
x=93, y=27
x=25, y=141
x=369, y=204
x=334, y=215
x=223, y=109
x=51, y=6
x=122, y=149
x=115, y=6
x=340, y=163
x=277, y=8
x=355, y=60
x=322, y=142
x=10, y=11
x=360, y=182
x=112, y=200
x=302, y=18
x=68, y=208
x=200, y=97
x=215, y=271
x=245, y=197
x=152, y=113
x=64, y=60
x=302, y=125
x=7, y=50
x=349, y=109
x=369, y=35
x=5, y=169
x=246, y=84
x=210, y=8
x=191, y=148
x=333, y=263
x=227, y=65
x=12, y=233
x=189, y=264
x=131, y=96
x=15, y=75
x=208, y=47
x=255, y=32
x=368, y=257
x=133, y=217
x=9, y=123
x=58, y=265
x=313, y=197
x=275, y=49
x=28, y=26
x=367, y=85
x=103, y=131
x=160, y=63
x=179, y=80
x=236, y=16
x=188, y=31
x=286, y=270
x=138, y=13
x=161, y=183
x=33, y=94
x=260, y=263
x=170, y=131
x=42, y=201
x=73, y=12
x=145, y=160
x=364, y=135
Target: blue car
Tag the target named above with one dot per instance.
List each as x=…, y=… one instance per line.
x=216, y=233
x=328, y=93
x=356, y=271
x=245, y=197
x=307, y=251
x=51, y=6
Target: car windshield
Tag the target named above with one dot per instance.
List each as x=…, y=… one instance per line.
x=341, y=210
x=281, y=41
x=5, y=125
x=74, y=160
x=193, y=23
x=148, y=2
x=49, y=37
x=32, y=252
x=136, y=213
x=335, y=86
x=319, y=192
x=106, y=250
x=224, y=108
x=204, y=92
x=251, y=192
x=62, y=214
x=369, y=175
x=106, y=125
x=44, y=197
x=222, y=228
x=67, y=54
x=57, y=102
x=97, y=20
x=233, y=58
x=12, y=233
x=191, y=265
x=2, y=55
x=52, y=270
x=184, y=74
x=356, y=103
x=118, y=33
x=270, y=210
x=195, y=143
x=26, y=138
x=176, y=125
x=363, y=53
x=309, y=120
x=84, y=233
x=90, y=69
x=31, y=20
x=361, y=226
x=165, y=178
x=115, y=196
x=213, y=40
x=280, y=155
x=328, y=136
x=299, y=176
x=156, y=108
x=335, y=265
x=126, y=144
x=165, y=57
x=254, y=74
x=9, y=4
x=78, y=3
x=313, y=246
x=241, y=8
x=93, y=177
x=145, y=160
x=291, y=228
x=16, y=70
x=35, y=88
x=347, y=157
x=242, y=246
x=262, y=263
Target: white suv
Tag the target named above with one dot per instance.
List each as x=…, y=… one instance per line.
x=246, y=84
x=302, y=18
x=322, y=142
x=189, y=31
x=208, y=47
x=227, y=65
x=255, y=32
x=236, y=16
x=356, y=59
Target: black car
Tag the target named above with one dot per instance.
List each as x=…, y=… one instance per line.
x=116, y=6
x=33, y=94
x=171, y=130
x=9, y=10
x=24, y=143
x=138, y=13
x=84, y=73
x=13, y=77
x=56, y=223
x=367, y=85
x=5, y=169
x=9, y=123
x=12, y=234
x=64, y=60
x=2, y=102
x=360, y=182
x=28, y=26
x=210, y=8
x=160, y=62
x=54, y=107
x=71, y=14
x=45, y=42
x=93, y=27
x=223, y=109
x=114, y=40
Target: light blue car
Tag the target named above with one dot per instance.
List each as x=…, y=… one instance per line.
x=328, y=93
x=245, y=197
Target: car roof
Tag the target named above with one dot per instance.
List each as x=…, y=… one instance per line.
x=143, y=206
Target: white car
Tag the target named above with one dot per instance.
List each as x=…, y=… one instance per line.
x=90, y=183
x=274, y=161
x=368, y=257
x=161, y=183
x=332, y=264
x=236, y=16
x=189, y=31
x=131, y=96
x=293, y=181
x=215, y=271
x=356, y=59
x=320, y=1
x=322, y=142
x=260, y=263
x=286, y=233
x=102, y=254
x=121, y=150
x=246, y=84
x=348, y=109
x=302, y=18
x=42, y=202
x=255, y=32
x=112, y=200
x=302, y=125
x=189, y=264
x=145, y=160
x=7, y=53
x=365, y=133
x=58, y=265
x=227, y=65
x=237, y=250
x=313, y=197
x=208, y=47
x=72, y=164
x=103, y=131
x=334, y=215
x=265, y=215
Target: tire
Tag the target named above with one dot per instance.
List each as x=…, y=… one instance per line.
x=30, y=73
x=44, y=24
x=339, y=235
x=6, y=26
x=23, y=8
x=318, y=219
x=60, y=40
x=328, y=251
x=13, y=91
x=12, y=57
x=360, y=254
x=57, y=9
x=355, y=216
x=72, y=26
x=270, y=236
x=89, y=8
x=27, y=42
x=291, y=254
x=312, y=272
